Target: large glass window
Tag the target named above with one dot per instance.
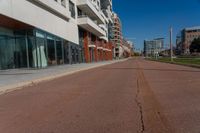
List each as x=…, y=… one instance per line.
x=34, y=48
x=7, y=47
x=73, y=53
x=20, y=53
x=72, y=9
x=13, y=49
x=51, y=51
x=77, y=55
x=41, y=52
x=32, y=54
x=59, y=52
x=66, y=52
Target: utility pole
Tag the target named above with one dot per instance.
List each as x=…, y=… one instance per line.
x=171, y=45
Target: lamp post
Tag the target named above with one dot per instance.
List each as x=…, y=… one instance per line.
x=171, y=45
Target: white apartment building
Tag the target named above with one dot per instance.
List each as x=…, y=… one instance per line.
x=117, y=36
x=41, y=33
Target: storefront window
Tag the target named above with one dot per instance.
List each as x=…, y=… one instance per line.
x=7, y=47
x=66, y=52
x=33, y=48
x=33, y=63
x=20, y=53
x=51, y=51
x=59, y=52
x=39, y=53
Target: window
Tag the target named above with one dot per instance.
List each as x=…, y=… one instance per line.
x=72, y=9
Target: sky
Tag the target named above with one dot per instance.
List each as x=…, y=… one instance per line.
x=149, y=19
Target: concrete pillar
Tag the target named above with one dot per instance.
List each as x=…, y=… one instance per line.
x=86, y=48
x=101, y=51
x=69, y=53
x=95, y=50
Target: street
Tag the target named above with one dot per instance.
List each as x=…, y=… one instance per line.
x=134, y=96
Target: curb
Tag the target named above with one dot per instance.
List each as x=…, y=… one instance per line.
x=21, y=85
x=175, y=63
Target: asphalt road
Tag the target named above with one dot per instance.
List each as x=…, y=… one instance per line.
x=134, y=96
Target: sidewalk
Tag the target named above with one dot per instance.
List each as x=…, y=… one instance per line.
x=18, y=78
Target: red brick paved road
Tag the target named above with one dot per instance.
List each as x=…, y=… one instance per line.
x=134, y=96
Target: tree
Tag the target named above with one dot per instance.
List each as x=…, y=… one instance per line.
x=195, y=46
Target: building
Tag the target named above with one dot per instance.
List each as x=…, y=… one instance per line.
x=153, y=47
x=178, y=45
x=93, y=31
x=132, y=47
x=41, y=33
x=106, y=6
x=127, y=47
x=117, y=36
x=122, y=48
x=187, y=36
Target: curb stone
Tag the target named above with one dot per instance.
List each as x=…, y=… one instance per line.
x=21, y=85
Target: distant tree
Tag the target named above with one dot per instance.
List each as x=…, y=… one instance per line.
x=195, y=46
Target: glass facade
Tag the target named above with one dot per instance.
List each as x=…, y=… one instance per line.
x=51, y=48
x=34, y=48
x=7, y=50
x=39, y=51
x=81, y=43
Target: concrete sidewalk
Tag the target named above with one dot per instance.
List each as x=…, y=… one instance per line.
x=18, y=78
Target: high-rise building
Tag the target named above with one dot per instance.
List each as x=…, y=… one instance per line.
x=117, y=36
x=153, y=47
x=41, y=33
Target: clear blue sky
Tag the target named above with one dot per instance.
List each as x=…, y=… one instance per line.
x=149, y=19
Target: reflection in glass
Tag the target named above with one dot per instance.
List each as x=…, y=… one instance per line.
x=59, y=52
x=40, y=51
x=51, y=51
x=20, y=54
x=7, y=46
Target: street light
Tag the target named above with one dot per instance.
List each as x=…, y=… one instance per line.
x=171, y=45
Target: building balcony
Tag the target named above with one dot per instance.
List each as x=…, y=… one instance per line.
x=103, y=27
x=89, y=25
x=109, y=15
x=104, y=17
x=61, y=9
x=87, y=7
x=105, y=49
x=104, y=38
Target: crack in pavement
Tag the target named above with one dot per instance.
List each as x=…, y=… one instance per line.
x=151, y=112
x=140, y=107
